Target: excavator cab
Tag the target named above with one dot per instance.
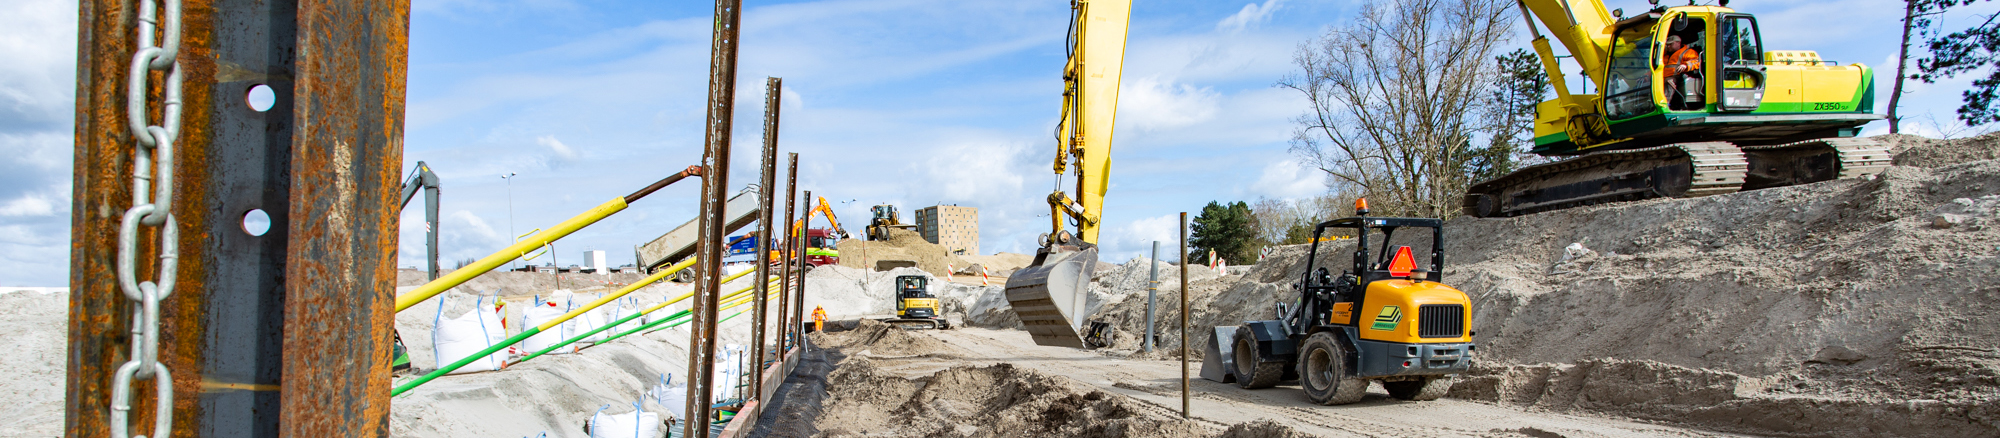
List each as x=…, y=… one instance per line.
x=1385, y=319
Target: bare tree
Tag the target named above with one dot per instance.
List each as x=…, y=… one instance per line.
x=1394, y=96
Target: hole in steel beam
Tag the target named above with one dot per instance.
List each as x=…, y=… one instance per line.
x=261, y=98
x=256, y=222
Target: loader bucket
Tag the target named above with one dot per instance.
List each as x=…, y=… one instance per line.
x=1218, y=355
x=1049, y=295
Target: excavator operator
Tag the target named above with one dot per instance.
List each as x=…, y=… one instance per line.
x=1680, y=63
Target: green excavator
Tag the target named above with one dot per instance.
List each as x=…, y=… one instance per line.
x=1687, y=103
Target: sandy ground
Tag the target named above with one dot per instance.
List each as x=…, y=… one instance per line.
x=34, y=319
x=1147, y=389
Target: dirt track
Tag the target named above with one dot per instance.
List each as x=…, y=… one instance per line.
x=1154, y=386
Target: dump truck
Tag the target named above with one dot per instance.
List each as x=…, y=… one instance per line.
x=679, y=244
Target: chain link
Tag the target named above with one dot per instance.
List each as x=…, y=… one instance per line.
x=152, y=206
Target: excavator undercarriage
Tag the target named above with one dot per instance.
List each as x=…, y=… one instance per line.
x=1681, y=170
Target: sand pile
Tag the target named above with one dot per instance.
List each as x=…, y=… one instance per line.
x=995, y=401
x=868, y=337
x=509, y=283
x=998, y=264
x=1928, y=152
x=849, y=293
x=1768, y=311
x=37, y=344
x=903, y=245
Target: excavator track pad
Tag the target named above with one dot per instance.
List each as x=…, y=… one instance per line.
x=1682, y=170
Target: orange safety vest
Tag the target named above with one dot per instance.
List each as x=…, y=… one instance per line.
x=1687, y=59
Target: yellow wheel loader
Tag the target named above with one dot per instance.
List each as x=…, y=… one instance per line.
x=1384, y=319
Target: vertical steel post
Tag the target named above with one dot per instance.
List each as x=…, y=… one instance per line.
x=346, y=162
x=785, y=304
x=799, y=293
x=767, y=192
x=715, y=192
x=1152, y=295
x=1184, y=316
x=279, y=327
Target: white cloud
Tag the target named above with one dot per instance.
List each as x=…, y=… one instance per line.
x=1287, y=179
x=31, y=205
x=975, y=170
x=1151, y=102
x=1251, y=16
x=1135, y=238
x=561, y=150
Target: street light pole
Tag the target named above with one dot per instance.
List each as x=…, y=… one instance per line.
x=510, y=210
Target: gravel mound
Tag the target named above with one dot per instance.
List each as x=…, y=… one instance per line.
x=904, y=246
x=992, y=401
x=1927, y=152
x=1857, y=307
x=868, y=337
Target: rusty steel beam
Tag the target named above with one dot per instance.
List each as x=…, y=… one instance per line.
x=346, y=163
x=799, y=291
x=767, y=189
x=242, y=317
x=785, y=287
x=715, y=192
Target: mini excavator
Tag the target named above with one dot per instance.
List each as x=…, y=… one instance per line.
x=916, y=306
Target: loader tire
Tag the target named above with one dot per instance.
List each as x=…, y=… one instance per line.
x=1250, y=373
x=1430, y=388
x=1323, y=372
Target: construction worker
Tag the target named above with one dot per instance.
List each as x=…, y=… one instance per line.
x=819, y=318
x=1678, y=61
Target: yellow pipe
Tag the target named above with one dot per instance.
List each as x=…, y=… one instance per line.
x=508, y=254
x=628, y=290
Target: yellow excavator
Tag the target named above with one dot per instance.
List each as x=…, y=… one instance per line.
x=1049, y=294
x=1687, y=102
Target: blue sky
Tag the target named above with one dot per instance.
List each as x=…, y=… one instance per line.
x=914, y=103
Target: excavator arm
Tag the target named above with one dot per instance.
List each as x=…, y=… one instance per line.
x=1049, y=294
x=1090, y=108
x=798, y=228
x=423, y=180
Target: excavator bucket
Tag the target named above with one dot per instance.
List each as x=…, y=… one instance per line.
x=1049, y=294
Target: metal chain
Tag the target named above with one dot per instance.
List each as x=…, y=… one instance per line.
x=152, y=205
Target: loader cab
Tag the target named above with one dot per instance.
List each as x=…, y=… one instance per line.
x=1384, y=249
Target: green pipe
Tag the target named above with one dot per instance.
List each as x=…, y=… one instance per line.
x=525, y=334
x=627, y=318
